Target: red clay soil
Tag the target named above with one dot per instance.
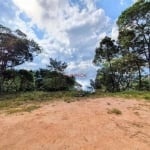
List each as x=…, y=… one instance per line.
x=81, y=125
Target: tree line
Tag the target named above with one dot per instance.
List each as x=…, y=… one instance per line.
x=125, y=64
x=15, y=49
x=40, y=80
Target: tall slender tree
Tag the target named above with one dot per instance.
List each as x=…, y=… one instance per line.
x=135, y=22
x=105, y=53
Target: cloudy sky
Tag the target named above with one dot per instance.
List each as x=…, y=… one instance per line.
x=68, y=30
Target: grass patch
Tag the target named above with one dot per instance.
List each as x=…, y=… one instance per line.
x=126, y=94
x=16, y=100
x=114, y=111
x=19, y=99
x=31, y=108
x=147, y=97
x=135, y=94
x=23, y=109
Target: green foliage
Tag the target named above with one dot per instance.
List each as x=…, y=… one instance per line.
x=122, y=64
x=10, y=81
x=126, y=38
x=17, y=100
x=105, y=80
x=106, y=51
x=53, y=81
x=144, y=86
x=27, y=101
x=124, y=73
x=134, y=34
x=54, y=84
x=15, y=49
x=104, y=55
x=26, y=80
x=140, y=10
x=14, y=80
x=135, y=94
x=11, y=85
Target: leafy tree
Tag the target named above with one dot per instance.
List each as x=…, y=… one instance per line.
x=11, y=81
x=128, y=68
x=57, y=66
x=106, y=51
x=57, y=82
x=105, y=54
x=15, y=49
x=53, y=81
x=104, y=81
x=134, y=30
x=145, y=83
x=54, y=84
x=126, y=41
x=125, y=72
x=26, y=80
x=17, y=80
x=122, y=64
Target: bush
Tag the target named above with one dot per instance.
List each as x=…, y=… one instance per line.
x=10, y=81
x=26, y=80
x=55, y=84
x=53, y=81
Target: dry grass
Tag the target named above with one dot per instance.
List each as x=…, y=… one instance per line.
x=114, y=111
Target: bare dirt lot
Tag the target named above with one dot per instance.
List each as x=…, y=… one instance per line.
x=91, y=124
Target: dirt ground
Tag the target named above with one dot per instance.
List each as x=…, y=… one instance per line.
x=81, y=125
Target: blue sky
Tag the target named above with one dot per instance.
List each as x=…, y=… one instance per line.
x=113, y=8
x=68, y=30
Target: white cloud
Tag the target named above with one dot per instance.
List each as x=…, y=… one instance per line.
x=72, y=31
x=58, y=16
x=115, y=32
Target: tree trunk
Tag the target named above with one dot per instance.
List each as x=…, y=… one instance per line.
x=1, y=82
x=140, y=77
x=112, y=76
x=149, y=76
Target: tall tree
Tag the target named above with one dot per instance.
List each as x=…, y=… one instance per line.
x=136, y=21
x=105, y=54
x=27, y=82
x=15, y=49
x=128, y=67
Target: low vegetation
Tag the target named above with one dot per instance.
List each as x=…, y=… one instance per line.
x=114, y=111
x=22, y=101
x=22, y=109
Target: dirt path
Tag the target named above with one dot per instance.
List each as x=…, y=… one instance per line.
x=82, y=125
